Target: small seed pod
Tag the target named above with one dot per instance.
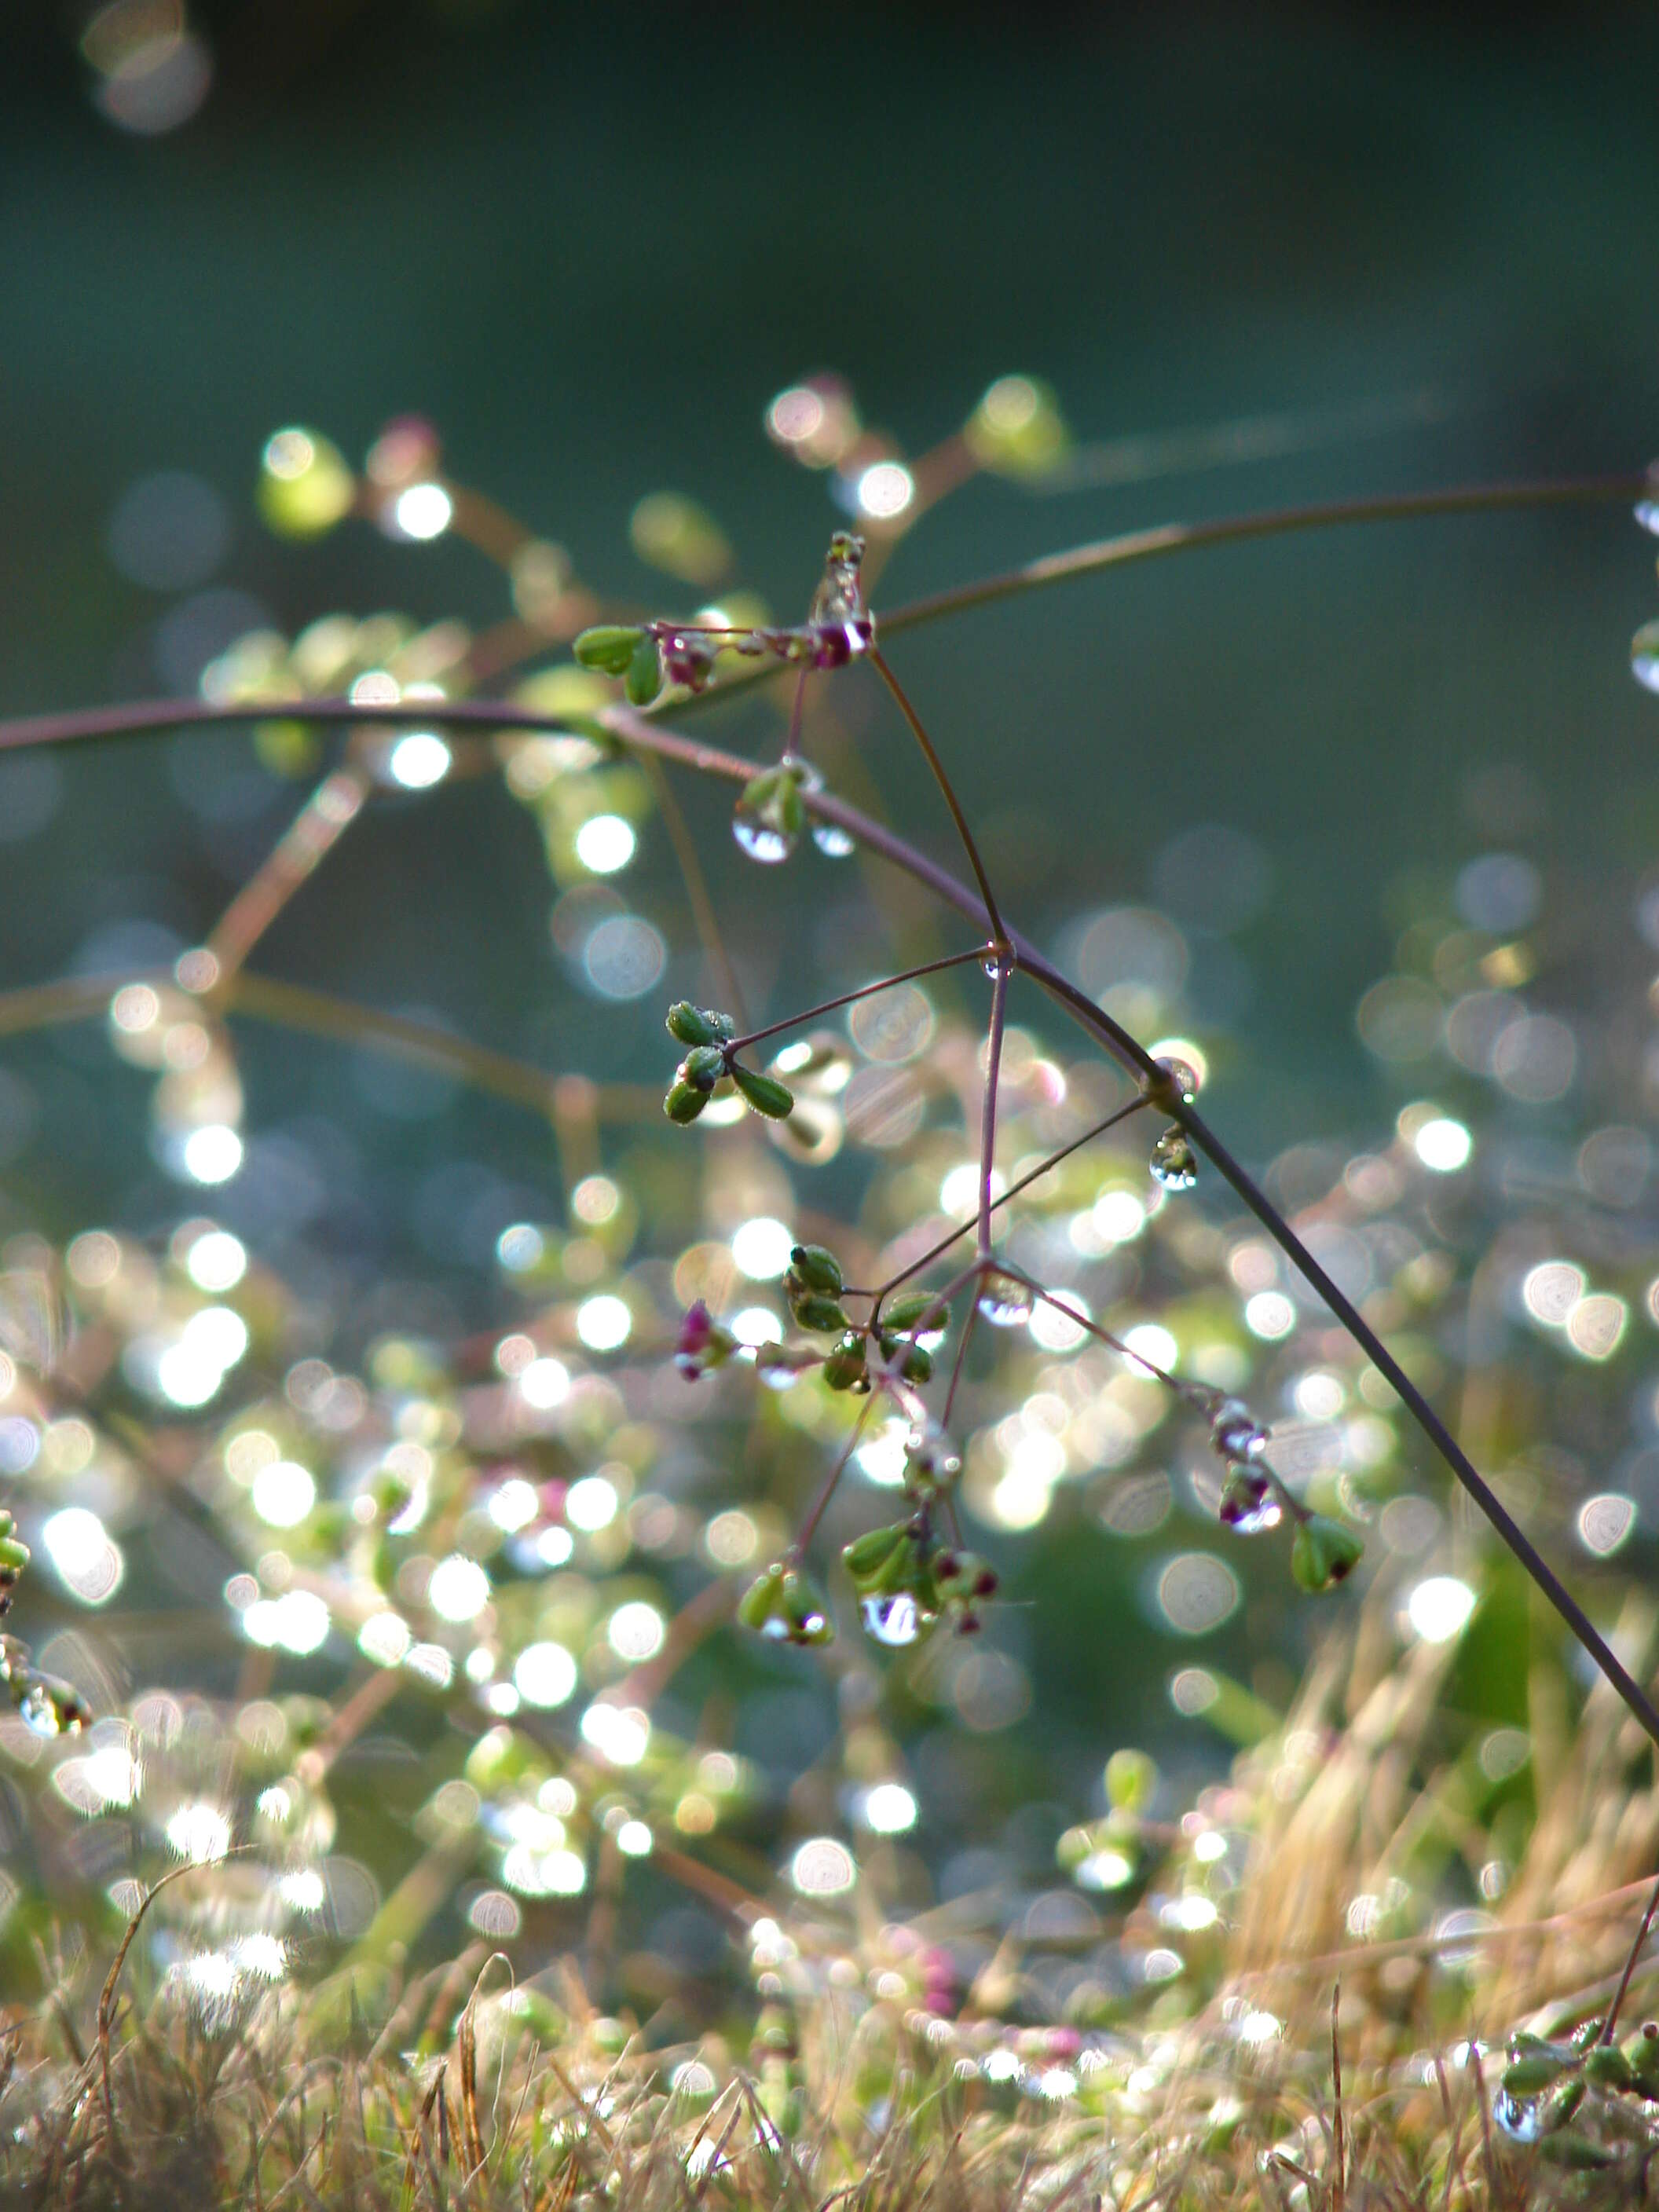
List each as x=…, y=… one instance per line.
x=931, y=1462
x=964, y=1575
x=813, y=1312
x=868, y=1556
x=913, y=1308
x=702, y=1066
x=685, y=1102
x=764, y=1093
x=689, y=1024
x=917, y=1364
x=818, y=1268
x=786, y=1604
x=643, y=679
x=1607, y=2066
x=1324, y=1552
x=845, y=1368
x=607, y=647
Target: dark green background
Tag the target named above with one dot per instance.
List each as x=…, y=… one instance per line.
x=591, y=245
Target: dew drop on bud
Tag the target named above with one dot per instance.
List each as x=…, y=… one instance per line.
x=1235, y=1433
x=1174, y=1165
x=895, y=1619
x=829, y=837
x=1182, y=1078
x=760, y=841
x=1005, y=1304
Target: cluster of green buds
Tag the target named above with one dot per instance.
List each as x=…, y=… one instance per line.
x=912, y=1314
x=1548, y=2085
x=14, y=1558
x=624, y=649
x=786, y=1604
x=711, y=1061
x=813, y=1286
x=906, y=1580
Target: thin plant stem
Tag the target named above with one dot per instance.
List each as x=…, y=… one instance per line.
x=820, y=1505
x=309, y=838
x=988, y=1139
x=849, y=998
x=959, y=1362
x=1611, y=2020
x=797, y=713
x=878, y=661
x=1134, y=545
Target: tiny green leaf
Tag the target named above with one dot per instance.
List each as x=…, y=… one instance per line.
x=644, y=676
x=1324, y=1552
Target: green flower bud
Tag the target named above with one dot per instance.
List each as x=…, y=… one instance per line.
x=1535, y=2070
x=608, y=648
x=819, y=1313
x=702, y=1066
x=13, y=1555
x=1641, y=2048
x=912, y=1308
x=1559, y=2105
x=644, y=677
x=868, y=1556
x=845, y=1368
x=964, y=1575
x=690, y=1025
x=685, y=1102
x=764, y=1093
x=758, y=1601
x=1578, y=2153
x=788, y=1607
x=818, y=1269
x=1608, y=2068
x=1324, y=1552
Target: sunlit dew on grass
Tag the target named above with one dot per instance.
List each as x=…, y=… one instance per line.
x=762, y=1247
x=544, y=1675
x=284, y=1493
x=1439, y=1608
x=544, y=1383
x=822, y=1867
x=603, y=1323
x=888, y=1809
x=199, y=1832
x=1153, y=1343
x=211, y=1154
x=384, y=1637
x=620, y=1733
x=1606, y=1522
x=80, y=1547
x=422, y=510
x=605, y=843
x=1196, y=1592
x=419, y=760
x=636, y=1630
x=623, y=957
x=459, y=1589
x=1060, y=1327
x=885, y=490
x=297, y=1621
x=757, y=1325
x=514, y=1505
x=1269, y=1315
x=216, y=1261
x=1443, y=1145
x=592, y=1504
